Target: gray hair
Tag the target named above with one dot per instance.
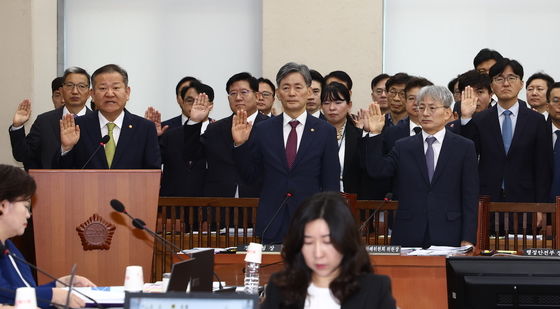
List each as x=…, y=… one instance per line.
x=75, y=70
x=292, y=67
x=438, y=93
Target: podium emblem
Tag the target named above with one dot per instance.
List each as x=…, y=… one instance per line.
x=96, y=233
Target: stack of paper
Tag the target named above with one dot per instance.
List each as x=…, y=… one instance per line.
x=441, y=250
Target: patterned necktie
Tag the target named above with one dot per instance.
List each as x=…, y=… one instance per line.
x=430, y=156
x=555, y=188
x=506, y=130
x=291, y=144
x=110, y=146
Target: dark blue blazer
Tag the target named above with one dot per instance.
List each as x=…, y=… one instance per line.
x=137, y=147
x=315, y=169
x=447, y=207
x=10, y=280
x=36, y=150
x=215, y=148
x=174, y=122
x=526, y=170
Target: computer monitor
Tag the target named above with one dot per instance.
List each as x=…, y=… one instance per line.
x=198, y=271
x=503, y=282
x=175, y=300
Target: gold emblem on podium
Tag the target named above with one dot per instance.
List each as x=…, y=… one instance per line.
x=96, y=233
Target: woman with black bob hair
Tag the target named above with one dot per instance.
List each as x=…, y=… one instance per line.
x=16, y=190
x=325, y=264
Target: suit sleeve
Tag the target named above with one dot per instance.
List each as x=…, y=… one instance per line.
x=378, y=165
x=27, y=149
x=272, y=297
x=386, y=300
x=469, y=194
x=543, y=163
x=470, y=131
x=248, y=159
x=152, y=156
x=194, y=142
x=330, y=169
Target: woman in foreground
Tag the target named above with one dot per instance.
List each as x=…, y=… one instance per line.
x=16, y=189
x=326, y=266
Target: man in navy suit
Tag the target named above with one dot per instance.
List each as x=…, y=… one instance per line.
x=36, y=150
x=553, y=133
x=178, y=121
x=294, y=153
x=133, y=142
x=515, y=159
x=435, y=175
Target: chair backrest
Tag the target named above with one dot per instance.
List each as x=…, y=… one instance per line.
x=373, y=218
x=513, y=226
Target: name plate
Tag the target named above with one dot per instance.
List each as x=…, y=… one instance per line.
x=383, y=250
x=541, y=252
x=266, y=249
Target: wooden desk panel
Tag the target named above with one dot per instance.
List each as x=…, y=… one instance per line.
x=417, y=281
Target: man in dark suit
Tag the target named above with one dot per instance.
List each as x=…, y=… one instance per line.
x=295, y=154
x=436, y=175
x=215, y=145
x=515, y=159
x=178, y=121
x=314, y=100
x=183, y=177
x=36, y=150
x=133, y=142
x=553, y=133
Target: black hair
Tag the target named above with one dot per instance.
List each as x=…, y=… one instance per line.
x=414, y=82
x=111, y=68
x=200, y=88
x=57, y=83
x=15, y=184
x=378, y=78
x=335, y=91
x=474, y=79
x=268, y=82
x=294, y=280
x=74, y=70
x=316, y=76
x=397, y=79
x=549, y=90
x=184, y=80
x=486, y=54
x=341, y=75
x=501, y=65
x=539, y=75
x=253, y=82
x=451, y=84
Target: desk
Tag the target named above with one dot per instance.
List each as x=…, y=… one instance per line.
x=417, y=281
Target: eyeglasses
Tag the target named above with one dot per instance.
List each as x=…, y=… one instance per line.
x=555, y=100
x=394, y=92
x=337, y=102
x=243, y=92
x=70, y=86
x=266, y=94
x=502, y=79
x=431, y=109
x=379, y=91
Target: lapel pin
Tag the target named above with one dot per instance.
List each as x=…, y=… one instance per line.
x=130, y=126
x=312, y=130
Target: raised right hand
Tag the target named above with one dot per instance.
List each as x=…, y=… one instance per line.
x=201, y=108
x=69, y=132
x=373, y=119
x=23, y=113
x=469, y=101
x=240, y=128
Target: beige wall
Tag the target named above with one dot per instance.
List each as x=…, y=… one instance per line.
x=326, y=35
x=28, y=61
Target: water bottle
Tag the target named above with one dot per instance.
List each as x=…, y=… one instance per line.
x=252, y=263
x=252, y=278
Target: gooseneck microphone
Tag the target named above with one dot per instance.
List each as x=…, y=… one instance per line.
x=282, y=205
x=141, y=225
x=104, y=140
x=388, y=198
x=5, y=251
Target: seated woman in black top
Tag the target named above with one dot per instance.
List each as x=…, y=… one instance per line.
x=326, y=266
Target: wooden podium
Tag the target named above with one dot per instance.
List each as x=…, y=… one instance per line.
x=73, y=222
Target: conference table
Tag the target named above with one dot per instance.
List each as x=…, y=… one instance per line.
x=417, y=281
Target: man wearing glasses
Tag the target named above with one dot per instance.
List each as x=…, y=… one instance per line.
x=265, y=99
x=215, y=146
x=396, y=97
x=36, y=150
x=435, y=175
x=514, y=154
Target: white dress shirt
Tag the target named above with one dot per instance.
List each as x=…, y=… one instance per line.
x=514, y=109
x=118, y=126
x=436, y=146
x=299, y=129
x=411, y=126
x=82, y=112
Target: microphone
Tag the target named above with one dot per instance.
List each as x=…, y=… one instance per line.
x=288, y=195
x=5, y=251
x=70, y=282
x=141, y=225
x=388, y=198
x=104, y=140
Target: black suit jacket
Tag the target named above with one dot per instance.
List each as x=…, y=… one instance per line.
x=180, y=177
x=352, y=170
x=36, y=150
x=446, y=207
x=215, y=147
x=526, y=169
x=375, y=292
x=174, y=122
x=137, y=147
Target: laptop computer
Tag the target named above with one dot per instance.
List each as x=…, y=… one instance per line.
x=198, y=300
